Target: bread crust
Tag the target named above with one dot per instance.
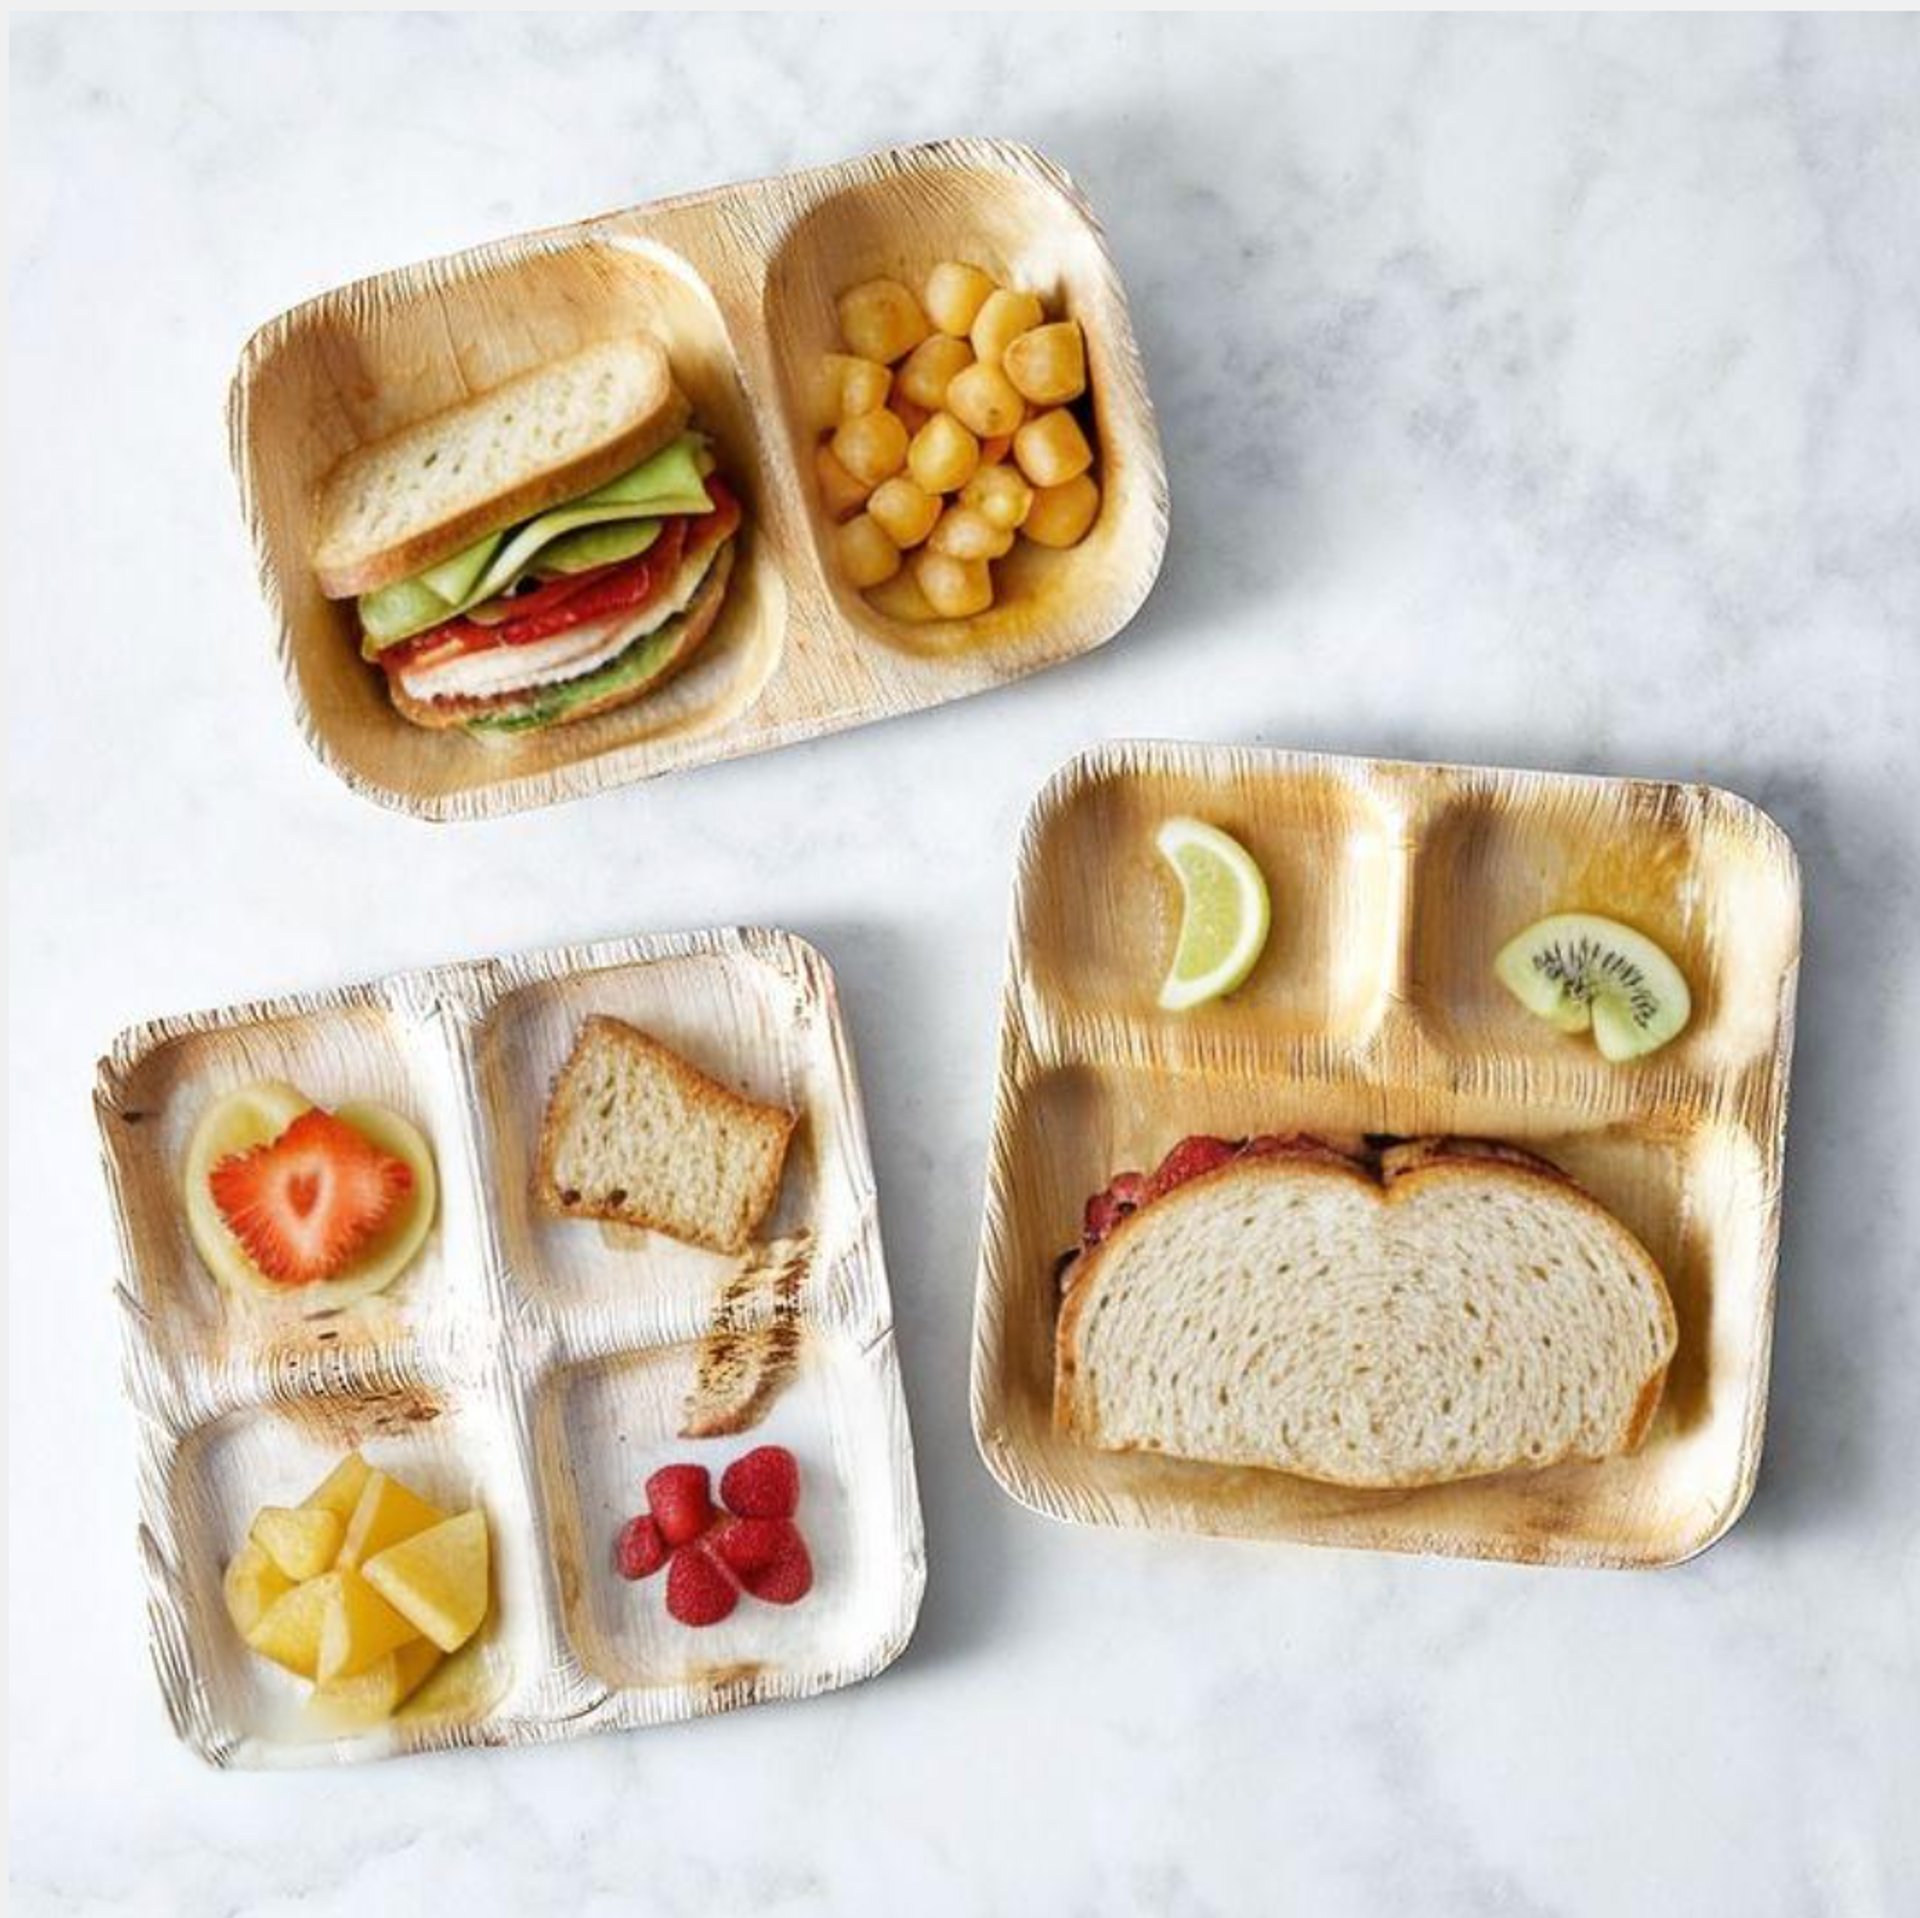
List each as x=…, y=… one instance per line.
x=698, y=1090
x=1400, y=1169
x=694, y=624
x=346, y=574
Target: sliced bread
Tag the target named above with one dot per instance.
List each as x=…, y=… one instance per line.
x=635, y=1134
x=1458, y=1311
x=401, y=504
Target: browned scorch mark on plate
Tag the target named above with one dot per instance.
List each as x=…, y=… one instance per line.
x=752, y=1343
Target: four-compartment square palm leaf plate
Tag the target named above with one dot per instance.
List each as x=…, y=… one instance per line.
x=1375, y=1010
x=738, y=284
x=539, y=1368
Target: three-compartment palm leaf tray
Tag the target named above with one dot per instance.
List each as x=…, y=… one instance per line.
x=1375, y=1010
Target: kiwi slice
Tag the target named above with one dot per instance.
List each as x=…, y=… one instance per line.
x=1577, y=970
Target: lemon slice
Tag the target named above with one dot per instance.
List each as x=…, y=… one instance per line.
x=257, y=1114
x=1224, y=912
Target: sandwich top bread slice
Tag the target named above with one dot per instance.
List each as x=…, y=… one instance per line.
x=404, y=503
x=1446, y=1311
x=635, y=1134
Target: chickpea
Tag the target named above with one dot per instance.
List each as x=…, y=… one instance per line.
x=867, y=556
x=1001, y=321
x=910, y=416
x=1049, y=364
x=1061, y=515
x=872, y=447
x=967, y=533
x=901, y=598
x=925, y=371
x=943, y=455
x=1051, y=448
x=955, y=294
x=985, y=401
x=858, y=386
x=905, y=510
x=843, y=494
x=881, y=320
x=954, y=588
x=1001, y=493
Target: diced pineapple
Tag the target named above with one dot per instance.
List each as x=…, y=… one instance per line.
x=340, y=1490
x=300, y=1539
x=359, y=1628
x=252, y=1583
x=387, y=1513
x=354, y=1704
x=462, y=1686
x=438, y=1579
x=288, y=1631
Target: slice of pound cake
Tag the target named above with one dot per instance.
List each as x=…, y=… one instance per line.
x=635, y=1134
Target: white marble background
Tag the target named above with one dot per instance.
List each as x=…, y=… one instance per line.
x=1535, y=392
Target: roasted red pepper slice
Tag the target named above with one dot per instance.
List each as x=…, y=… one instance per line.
x=543, y=599
x=626, y=586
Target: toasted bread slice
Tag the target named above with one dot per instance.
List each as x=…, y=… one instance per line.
x=404, y=503
x=1459, y=1312
x=684, y=635
x=635, y=1134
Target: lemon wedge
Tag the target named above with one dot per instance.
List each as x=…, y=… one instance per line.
x=1224, y=912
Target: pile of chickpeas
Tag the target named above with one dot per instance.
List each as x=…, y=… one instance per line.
x=953, y=433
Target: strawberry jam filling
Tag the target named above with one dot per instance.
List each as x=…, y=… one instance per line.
x=1192, y=1158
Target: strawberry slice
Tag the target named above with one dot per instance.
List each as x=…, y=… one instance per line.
x=303, y=1205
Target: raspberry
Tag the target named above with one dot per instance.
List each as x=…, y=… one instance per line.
x=763, y=1483
x=787, y=1576
x=749, y=1545
x=681, y=1501
x=640, y=1551
x=699, y=1589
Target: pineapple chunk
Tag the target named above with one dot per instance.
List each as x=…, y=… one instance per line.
x=252, y=1583
x=438, y=1578
x=358, y=1629
x=340, y=1490
x=386, y=1513
x=288, y=1631
x=301, y=1540
x=463, y=1686
x=354, y=1704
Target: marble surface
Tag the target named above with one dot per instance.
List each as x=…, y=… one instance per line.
x=1540, y=393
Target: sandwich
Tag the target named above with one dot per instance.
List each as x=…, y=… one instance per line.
x=1437, y=1310
x=549, y=549
x=636, y=1135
